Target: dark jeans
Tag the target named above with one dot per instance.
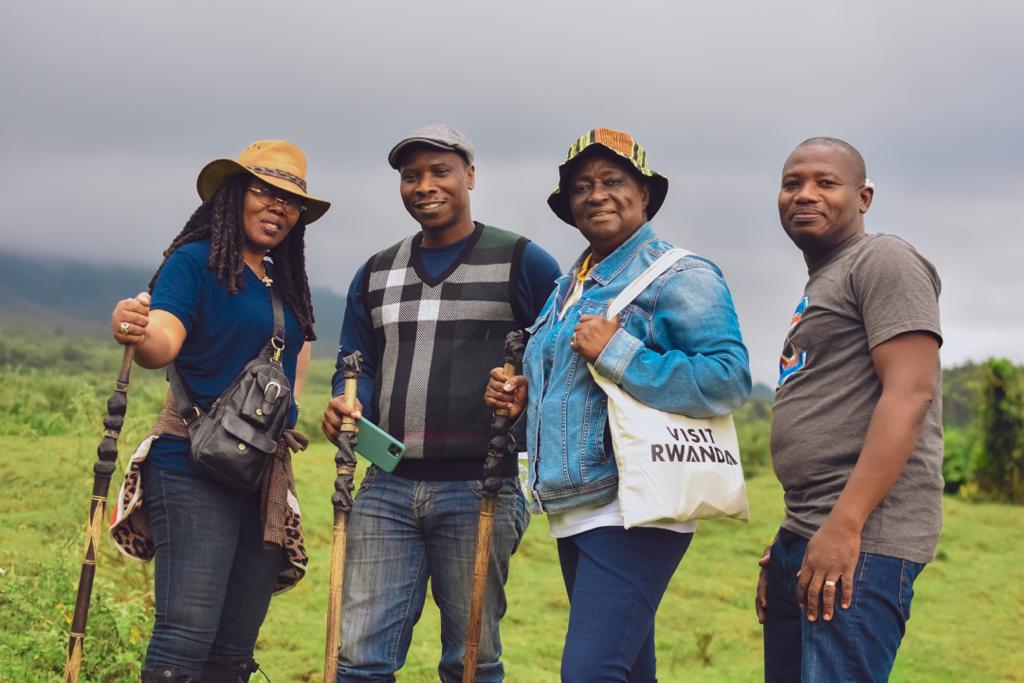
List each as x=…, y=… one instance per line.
x=213, y=576
x=615, y=579
x=859, y=644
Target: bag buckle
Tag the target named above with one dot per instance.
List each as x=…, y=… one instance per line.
x=278, y=345
x=188, y=420
x=278, y=389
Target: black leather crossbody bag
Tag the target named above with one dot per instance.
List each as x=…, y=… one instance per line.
x=234, y=442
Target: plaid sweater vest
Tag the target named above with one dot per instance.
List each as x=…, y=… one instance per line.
x=438, y=339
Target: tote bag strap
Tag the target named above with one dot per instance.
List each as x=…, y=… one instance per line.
x=632, y=291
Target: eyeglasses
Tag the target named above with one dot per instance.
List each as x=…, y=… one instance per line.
x=585, y=189
x=270, y=197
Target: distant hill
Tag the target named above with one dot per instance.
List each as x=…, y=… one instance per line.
x=78, y=297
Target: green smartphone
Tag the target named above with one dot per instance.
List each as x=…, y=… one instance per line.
x=377, y=446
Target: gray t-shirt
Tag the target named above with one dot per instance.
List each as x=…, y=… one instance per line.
x=868, y=291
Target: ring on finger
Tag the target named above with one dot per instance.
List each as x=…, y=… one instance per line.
x=573, y=340
x=829, y=583
x=124, y=327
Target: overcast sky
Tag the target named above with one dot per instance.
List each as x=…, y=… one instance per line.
x=109, y=110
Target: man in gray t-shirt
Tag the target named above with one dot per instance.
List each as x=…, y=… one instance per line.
x=856, y=432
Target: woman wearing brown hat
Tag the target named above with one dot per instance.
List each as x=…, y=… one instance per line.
x=676, y=348
x=220, y=553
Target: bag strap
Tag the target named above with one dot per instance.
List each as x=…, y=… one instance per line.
x=275, y=302
x=643, y=281
x=189, y=411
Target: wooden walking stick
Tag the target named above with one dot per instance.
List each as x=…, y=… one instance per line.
x=345, y=461
x=106, y=461
x=499, y=447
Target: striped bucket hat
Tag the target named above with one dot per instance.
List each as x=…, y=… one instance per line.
x=622, y=145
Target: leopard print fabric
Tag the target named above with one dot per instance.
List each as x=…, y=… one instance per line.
x=129, y=527
x=296, y=559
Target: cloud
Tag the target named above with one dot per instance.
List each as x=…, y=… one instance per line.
x=111, y=108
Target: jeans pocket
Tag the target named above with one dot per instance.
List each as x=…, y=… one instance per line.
x=368, y=478
x=908, y=574
x=521, y=516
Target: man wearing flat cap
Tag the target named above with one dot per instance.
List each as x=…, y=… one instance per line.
x=429, y=316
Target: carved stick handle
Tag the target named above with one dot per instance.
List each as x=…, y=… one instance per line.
x=498, y=447
x=345, y=465
x=106, y=462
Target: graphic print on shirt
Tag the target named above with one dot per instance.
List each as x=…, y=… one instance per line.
x=793, y=358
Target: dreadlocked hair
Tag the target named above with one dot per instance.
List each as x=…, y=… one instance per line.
x=219, y=219
x=289, y=259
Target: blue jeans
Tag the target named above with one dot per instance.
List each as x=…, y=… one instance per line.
x=212, y=575
x=402, y=532
x=859, y=643
x=615, y=579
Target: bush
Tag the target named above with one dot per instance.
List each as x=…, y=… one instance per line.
x=999, y=468
x=36, y=606
x=48, y=402
x=958, y=462
x=754, y=429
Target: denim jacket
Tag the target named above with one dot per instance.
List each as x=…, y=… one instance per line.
x=678, y=349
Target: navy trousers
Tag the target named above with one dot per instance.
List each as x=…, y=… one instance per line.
x=615, y=579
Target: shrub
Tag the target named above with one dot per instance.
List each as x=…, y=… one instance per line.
x=754, y=429
x=36, y=606
x=999, y=468
x=958, y=462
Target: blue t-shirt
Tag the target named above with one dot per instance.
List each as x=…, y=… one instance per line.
x=223, y=332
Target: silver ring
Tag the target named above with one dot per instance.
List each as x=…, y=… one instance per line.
x=830, y=583
x=124, y=327
x=573, y=340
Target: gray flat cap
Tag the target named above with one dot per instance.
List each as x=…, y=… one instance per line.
x=437, y=135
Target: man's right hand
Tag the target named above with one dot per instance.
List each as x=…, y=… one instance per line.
x=333, y=414
x=506, y=393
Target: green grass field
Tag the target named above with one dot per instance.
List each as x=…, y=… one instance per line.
x=968, y=616
x=966, y=623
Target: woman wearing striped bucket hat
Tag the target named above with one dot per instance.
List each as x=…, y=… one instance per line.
x=676, y=348
x=220, y=553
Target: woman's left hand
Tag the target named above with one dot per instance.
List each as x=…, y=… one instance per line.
x=592, y=334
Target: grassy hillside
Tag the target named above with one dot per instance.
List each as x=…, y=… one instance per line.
x=966, y=622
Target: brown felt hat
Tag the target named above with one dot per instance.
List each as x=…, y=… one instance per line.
x=275, y=162
x=621, y=145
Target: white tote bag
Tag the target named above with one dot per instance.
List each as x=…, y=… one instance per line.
x=671, y=467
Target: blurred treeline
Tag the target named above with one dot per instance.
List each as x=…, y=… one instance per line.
x=983, y=419
x=983, y=415
x=57, y=383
